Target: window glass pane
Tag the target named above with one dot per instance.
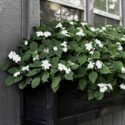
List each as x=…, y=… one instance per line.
x=100, y=4
x=113, y=6
x=101, y=20
x=51, y=11
x=112, y=21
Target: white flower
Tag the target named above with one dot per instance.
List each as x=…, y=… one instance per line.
x=62, y=67
x=64, y=44
x=72, y=23
x=45, y=64
x=120, y=48
x=91, y=65
x=91, y=52
x=123, y=70
x=122, y=86
x=67, y=70
x=11, y=54
x=103, y=28
x=46, y=50
x=99, y=43
x=36, y=58
x=80, y=33
x=59, y=25
x=16, y=58
x=65, y=49
x=88, y=46
x=65, y=33
x=39, y=33
x=16, y=74
x=26, y=42
x=25, y=68
x=123, y=38
x=83, y=23
x=102, y=86
x=99, y=64
x=71, y=63
x=55, y=48
x=93, y=29
x=47, y=34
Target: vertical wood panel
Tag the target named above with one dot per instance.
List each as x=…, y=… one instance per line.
x=123, y=118
x=97, y=122
x=107, y=120
x=116, y=118
x=86, y=123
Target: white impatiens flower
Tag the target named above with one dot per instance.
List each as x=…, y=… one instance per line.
x=39, y=33
x=16, y=74
x=88, y=46
x=65, y=49
x=45, y=64
x=71, y=63
x=103, y=28
x=102, y=86
x=25, y=68
x=46, y=50
x=83, y=23
x=62, y=67
x=99, y=64
x=26, y=42
x=71, y=23
x=59, y=25
x=80, y=33
x=123, y=38
x=91, y=65
x=65, y=33
x=64, y=46
x=120, y=48
x=36, y=58
x=123, y=70
x=99, y=43
x=122, y=86
x=92, y=29
x=16, y=58
x=91, y=52
x=47, y=34
x=55, y=48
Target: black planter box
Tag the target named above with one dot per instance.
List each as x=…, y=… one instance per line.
x=67, y=106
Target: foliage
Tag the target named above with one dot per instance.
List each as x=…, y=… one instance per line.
x=70, y=50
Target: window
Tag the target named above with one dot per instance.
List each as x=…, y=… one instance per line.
x=62, y=9
x=107, y=12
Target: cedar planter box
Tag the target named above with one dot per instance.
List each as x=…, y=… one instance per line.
x=67, y=106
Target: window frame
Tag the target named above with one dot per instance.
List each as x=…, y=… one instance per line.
x=108, y=14
x=72, y=5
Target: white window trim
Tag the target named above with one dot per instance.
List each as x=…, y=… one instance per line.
x=106, y=14
x=70, y=4
x=110, y=15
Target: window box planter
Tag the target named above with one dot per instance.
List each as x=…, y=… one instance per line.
x=67, y=106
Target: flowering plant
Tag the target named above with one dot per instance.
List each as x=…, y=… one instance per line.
x=71, y=50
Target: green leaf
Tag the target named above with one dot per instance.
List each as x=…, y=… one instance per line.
x=96, y=55
x=69, y=76
x=118, y=65
x=35, y=82
x=11, y=80
x=55, y=83
x=36, y=64
x=22, y=85
x=98, y=95
x=82, y=84
x=105, y=70
x=82, y=59
x=122, y=55
x=90, y=94
x=93, y=77
x=74, y=67
x=33, y=72
x=34, y=46
x=45, y=77
x=13, y=70
x=80, y=73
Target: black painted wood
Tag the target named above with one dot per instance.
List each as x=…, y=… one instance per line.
x=68, y=106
